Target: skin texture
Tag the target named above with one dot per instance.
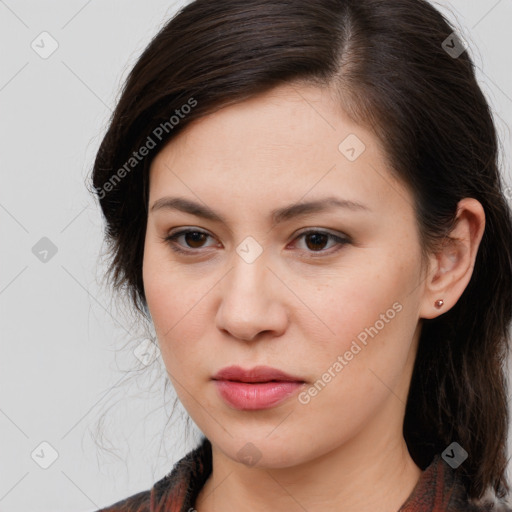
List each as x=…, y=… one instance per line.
x=300, y=304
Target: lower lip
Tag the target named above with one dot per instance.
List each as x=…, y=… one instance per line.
x=262, y=395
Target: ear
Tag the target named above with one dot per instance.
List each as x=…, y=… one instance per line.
x=451, y=267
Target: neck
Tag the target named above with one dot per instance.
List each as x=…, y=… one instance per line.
x=349, y=478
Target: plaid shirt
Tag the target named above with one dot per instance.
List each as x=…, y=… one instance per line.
x=438, y=489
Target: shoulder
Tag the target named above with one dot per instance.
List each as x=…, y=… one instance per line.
x=175, y=491
x=486, y=507
x=139, y=502
x=440, y=489
x=473, y=506
x=490, y=503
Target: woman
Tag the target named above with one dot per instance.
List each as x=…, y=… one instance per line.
x=304, y=198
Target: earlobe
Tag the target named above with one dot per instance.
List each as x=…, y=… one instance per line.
x=451, y=267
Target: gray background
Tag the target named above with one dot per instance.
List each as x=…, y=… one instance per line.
x=67, y=349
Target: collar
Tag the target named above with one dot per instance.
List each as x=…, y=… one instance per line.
x=439, y=488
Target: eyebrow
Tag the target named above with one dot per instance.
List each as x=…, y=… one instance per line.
x=278, y=215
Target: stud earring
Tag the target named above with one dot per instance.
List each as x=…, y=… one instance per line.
x=439, y=303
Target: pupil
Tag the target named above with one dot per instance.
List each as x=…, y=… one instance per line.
x=317, y=238
x=194, y=235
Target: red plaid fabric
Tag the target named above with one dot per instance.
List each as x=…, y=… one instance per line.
x=438, y=489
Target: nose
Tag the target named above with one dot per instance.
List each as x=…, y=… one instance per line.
x=251, y=304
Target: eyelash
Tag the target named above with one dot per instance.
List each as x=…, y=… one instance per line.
x=171, y=240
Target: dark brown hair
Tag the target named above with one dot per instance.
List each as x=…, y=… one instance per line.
x=393, y=74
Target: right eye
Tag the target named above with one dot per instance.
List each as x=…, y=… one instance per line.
x=193, y=238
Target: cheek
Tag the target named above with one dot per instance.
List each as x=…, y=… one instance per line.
x=356, y=298
x=178, y=302
x=176, y=316
x=358, y=371
x=368, y=320
x=169, y=295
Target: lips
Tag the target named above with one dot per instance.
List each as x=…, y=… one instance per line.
x=255, y=375
x=261, y=387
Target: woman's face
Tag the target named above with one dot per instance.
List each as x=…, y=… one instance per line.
x=329, y=294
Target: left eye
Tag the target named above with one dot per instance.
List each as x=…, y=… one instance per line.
x=315, y=240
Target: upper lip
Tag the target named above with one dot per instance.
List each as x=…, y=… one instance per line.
x=256, y=374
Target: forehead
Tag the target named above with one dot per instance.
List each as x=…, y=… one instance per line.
x=288, y=116
x=291, y=141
